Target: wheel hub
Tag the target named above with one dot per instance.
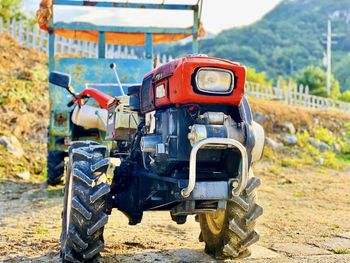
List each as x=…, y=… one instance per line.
x=215, y=221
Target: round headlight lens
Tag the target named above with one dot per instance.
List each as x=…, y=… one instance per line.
x=215, y=80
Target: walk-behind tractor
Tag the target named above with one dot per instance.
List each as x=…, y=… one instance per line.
x=100, y=42
x=189, y=142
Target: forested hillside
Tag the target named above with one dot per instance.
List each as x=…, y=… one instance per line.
x=286, y=40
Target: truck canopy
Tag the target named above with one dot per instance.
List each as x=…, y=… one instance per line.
x=115, y=34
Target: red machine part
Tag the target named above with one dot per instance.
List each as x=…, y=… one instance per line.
x=176, y=76
x=103, y=99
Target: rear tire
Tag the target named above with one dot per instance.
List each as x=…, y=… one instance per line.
x=228, y=233
x=84, y=212
x=55, y=167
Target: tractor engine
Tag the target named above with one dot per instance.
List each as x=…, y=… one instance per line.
x=176, y=130
x=186, y=101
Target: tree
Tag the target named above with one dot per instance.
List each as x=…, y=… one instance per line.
x=257, y=77
x=345, y=96
x=342, y=72
x=10, y=9
x=315, y=78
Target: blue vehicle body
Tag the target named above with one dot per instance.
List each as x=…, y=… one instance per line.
x=96, y=70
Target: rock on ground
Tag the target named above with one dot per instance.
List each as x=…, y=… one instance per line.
x=320, y=145
x=274, y=144
x=290, y=140
x=12, y=145
x=285, y=127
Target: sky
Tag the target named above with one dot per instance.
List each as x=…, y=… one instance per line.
x=217, y=15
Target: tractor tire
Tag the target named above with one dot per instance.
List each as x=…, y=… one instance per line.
x=84, y=211
x=228, y=233
x=55, y=167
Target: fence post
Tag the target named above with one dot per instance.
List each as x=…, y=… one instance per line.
x=289, y=91
x=20, y=31
x=111, y=50
x=163, y=60
x=41, y=40
x=126, y=51
x=85, y=48
x=13, y=29
x=35, y=36
x=307, y=97
x=28, y=33
x=66, y=44
x=80, y=48
x=301, y=94
x=70, y=46
x=92, y=52
x=295, y=94
x=8, y=26
x=133, y=54
x=1, y=25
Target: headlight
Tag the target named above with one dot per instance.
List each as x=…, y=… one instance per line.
x=215, y=80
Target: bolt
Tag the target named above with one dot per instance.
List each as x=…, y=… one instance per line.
x=234, y=184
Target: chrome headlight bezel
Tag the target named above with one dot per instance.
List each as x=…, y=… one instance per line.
x=215, y=92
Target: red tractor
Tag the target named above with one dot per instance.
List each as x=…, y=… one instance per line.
x=189, y=142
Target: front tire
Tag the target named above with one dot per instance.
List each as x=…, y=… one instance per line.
x=55, y=167
x=228, y=233
x=84, y=212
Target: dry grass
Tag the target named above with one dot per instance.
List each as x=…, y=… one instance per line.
x=301, y=117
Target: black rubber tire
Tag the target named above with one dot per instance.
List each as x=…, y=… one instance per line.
x=55, y=167
x=238, y=230
x=85, y=200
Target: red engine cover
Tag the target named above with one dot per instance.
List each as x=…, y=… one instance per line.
x=176, y=76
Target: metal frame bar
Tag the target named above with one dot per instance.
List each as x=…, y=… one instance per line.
x=101, y=44
x=121, y=29
x=147, y=30
x=149, y=45
x=242, y=178
x=124, y=5
x=195, y=45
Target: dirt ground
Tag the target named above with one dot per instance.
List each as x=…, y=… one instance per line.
x=304, y=212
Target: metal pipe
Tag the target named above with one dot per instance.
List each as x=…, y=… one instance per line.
x=242, y=178
x=101, y=119
x=113, y=66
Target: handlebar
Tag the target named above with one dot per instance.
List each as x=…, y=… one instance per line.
x=70, y=104
x=102, y=99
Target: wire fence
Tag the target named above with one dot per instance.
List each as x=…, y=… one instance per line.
x=32, y=37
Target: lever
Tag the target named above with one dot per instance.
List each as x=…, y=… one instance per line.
x=113, y=66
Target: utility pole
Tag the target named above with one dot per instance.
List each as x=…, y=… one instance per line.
x=329, y=56
x=329, y=41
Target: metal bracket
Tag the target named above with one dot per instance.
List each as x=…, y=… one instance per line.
x=242, y=177
x=101, y=119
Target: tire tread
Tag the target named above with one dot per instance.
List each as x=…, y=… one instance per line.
x=84, y=240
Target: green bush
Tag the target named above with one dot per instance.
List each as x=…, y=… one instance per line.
x=345, y=96
x=315, y=79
